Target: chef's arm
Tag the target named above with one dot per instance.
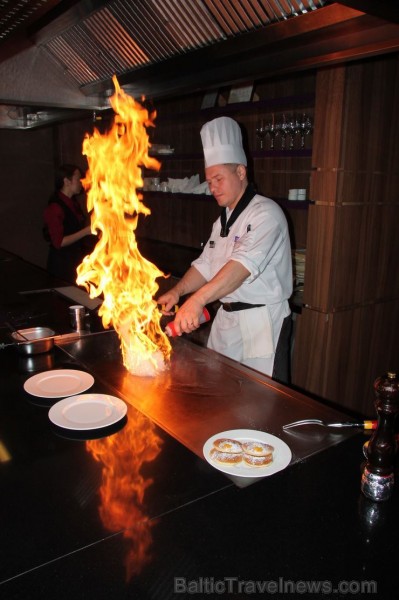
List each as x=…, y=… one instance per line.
x=191, y=281
x=228, y=279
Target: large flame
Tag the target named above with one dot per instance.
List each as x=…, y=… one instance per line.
x=116, y=268
x=123, y=486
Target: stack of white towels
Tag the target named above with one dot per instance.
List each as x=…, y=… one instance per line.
x=188, y=185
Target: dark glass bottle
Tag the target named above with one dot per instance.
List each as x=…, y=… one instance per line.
x=378, y=475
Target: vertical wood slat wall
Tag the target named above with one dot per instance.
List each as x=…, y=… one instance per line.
x=348, y=332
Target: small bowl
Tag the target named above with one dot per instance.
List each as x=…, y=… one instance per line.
x=40, y=340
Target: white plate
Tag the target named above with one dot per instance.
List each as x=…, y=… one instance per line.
x=58, y=383
x=166, y=151
x=281, y=455
x=87, y=411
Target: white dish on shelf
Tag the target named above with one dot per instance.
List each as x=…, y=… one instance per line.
x=281, y=455
x=166, y=151
x=58, y=383
x=87, y=411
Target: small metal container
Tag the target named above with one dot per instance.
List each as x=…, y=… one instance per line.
x=77, y=314
x=40, y=340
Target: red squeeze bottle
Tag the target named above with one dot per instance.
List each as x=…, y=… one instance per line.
x=170, y=327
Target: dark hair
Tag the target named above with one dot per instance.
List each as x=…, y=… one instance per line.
x=64, y=171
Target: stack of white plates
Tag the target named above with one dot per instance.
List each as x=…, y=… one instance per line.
x=298, y=265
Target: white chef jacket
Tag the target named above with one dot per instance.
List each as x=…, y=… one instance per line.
x=259, y=240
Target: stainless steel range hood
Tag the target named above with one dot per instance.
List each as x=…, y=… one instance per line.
x=57, y=58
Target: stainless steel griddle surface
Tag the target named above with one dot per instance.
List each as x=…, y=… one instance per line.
x=203, y=393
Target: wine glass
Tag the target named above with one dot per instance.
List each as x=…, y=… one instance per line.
x=291, y=131
x=273, y=132
x=306, y=128
x=283, y=131
x=294, y=129
x=297, y=127
x=277, y=128
x=261, y=132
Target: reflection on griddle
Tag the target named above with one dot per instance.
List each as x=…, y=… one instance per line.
x=200, y=379
x=36, y=363
x=123, y=486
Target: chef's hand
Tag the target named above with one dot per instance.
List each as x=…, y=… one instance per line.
x=188, y=316
x=168, y=302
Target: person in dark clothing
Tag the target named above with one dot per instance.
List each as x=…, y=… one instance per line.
x=65, y=225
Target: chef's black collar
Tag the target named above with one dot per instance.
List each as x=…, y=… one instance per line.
x=240, y=206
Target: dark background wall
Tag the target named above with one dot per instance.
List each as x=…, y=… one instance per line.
x=27, y=172
x=28, y=160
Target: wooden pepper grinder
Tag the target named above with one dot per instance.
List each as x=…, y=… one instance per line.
x=378, y=475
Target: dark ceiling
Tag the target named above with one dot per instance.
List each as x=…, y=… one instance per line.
x=57, y=57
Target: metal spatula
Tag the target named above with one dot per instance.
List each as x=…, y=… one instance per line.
x=362, y=424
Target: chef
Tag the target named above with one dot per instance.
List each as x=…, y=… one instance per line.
x=246, y=264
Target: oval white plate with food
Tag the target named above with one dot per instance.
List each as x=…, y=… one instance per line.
x=251, y=443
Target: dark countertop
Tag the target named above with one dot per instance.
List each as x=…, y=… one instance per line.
x=140, y=514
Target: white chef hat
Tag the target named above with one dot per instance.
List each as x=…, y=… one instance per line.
x=222, y=142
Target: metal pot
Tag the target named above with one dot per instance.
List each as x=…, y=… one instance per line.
x=40, y=339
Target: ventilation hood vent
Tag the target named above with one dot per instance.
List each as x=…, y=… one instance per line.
x=124, y=35
x=62, y=54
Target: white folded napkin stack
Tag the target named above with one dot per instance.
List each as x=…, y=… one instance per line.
x=188, y=185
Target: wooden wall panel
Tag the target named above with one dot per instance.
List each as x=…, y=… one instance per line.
x=179, y=169
x=361, y=187
x=365, y=257
x=368, y=188
x=330, y=88
x=178, y=219
x=275, y=176
x=323, y=186
x=352, y=255
x=27, y=179
x=178, y=122
x=370, y=116
x=309, y=363
x=293, y=85
x=320, y=241
x=170, y=259
x=338, y=356
x=362, y=348
x=353, y=246
x=298, y=227
x=69, y=141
